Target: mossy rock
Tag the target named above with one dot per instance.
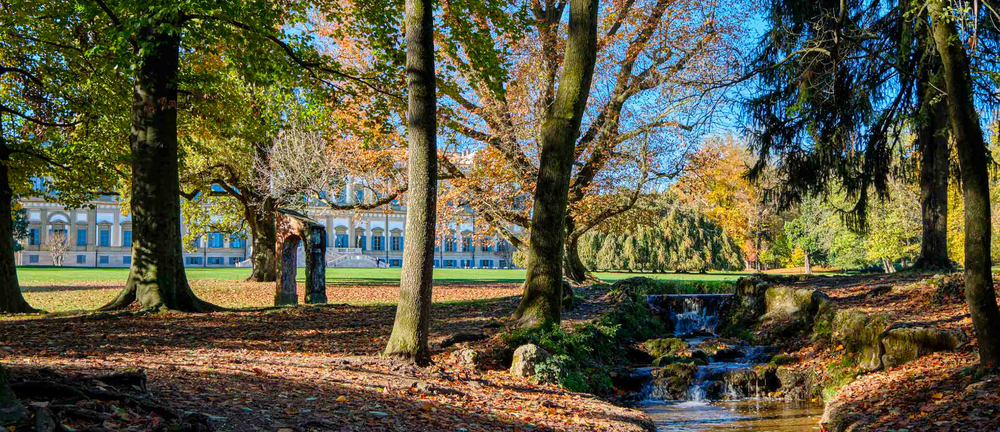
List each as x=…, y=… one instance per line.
x=795, y=384
x=902, y=343
x=672, y=382
x=665, y=346
x=860, y=333
x=699, y=354
x=783, y=359
x=744, y=382
x=794, y=303
x=671, y=359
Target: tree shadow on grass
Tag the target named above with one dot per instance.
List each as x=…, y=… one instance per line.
x=68, y=288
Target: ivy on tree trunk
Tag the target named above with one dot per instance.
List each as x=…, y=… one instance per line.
x=413, y=313
x=543, y=286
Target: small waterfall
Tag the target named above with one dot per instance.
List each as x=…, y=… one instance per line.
x=728, y=376
x=691, y=315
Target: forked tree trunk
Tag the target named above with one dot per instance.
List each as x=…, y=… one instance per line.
x=573, y=267
x=156, y=278
x=413, y=313
x=932, y=142
x=543, y=279
x=264, y=238
x=11, y=299
x=968, y=138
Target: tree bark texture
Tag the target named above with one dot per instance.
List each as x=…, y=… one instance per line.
x=573, y=268
x=543, y=280
x=11, y=299
x=408, y=340
x=156, y=278
x=968, y=138
x=932, y=143
x=808, y=265
x=262, y=234
x=11, y=410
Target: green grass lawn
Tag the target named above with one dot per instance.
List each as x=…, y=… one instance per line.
x=30, y=275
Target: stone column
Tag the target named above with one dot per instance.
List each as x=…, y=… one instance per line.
x=368, y=232
x=116, y=230
x=43, y=232
x=91, y=227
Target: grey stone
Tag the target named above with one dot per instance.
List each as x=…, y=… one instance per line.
x=525, y=358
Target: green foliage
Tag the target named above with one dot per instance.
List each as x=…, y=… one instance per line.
x=583, y=358
x=678, y=239
x=664, y=346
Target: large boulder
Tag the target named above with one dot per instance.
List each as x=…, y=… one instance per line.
x=673, y=381
x=525, y=358
x=794, y=384
x=743, y=383
x=841, y=416
x=785, y=303
x=860, y=333
x=904, y=343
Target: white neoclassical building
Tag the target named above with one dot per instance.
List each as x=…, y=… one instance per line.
x=98, y=235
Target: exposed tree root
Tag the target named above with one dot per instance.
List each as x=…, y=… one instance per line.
x=103, y=403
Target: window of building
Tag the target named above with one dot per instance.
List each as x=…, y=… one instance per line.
x=378, y=243
x=503, y=246
x=127, y=238
x=466, y=244
x=437, y=263
x=359, y=195
x=341, y=241
x=234, y=260
x=215, y=240
x=214, y=260
x=32, y=259
x=237, y=243
x=81, y=259
x=486, y=246
x=105, y=238
x=127, y=260
x=196, y=243
x=503, y=263
x=362, y=242
x=449, y=263
x=34, y=237
x=104, y=259
x=449, y=244
x=396, y=243
x=486, y=263
x=81, y=237
x=395, y=263
x=193, y=260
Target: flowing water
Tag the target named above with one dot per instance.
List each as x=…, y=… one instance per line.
x=725, y=396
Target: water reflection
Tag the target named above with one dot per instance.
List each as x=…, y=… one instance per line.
x=747, y=415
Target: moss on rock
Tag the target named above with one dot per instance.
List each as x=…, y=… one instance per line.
x=902, y=343
x=672, y=382
x=665, y=346
x=859, y=333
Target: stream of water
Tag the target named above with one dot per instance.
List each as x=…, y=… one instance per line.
x=717, y=401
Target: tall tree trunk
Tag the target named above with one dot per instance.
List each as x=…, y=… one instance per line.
x=11, y=299
x=157, y=279
x=264, y=238
x=808, y=265
x=413, y=314
x=932, y=142
x=968, y=138
x=543, y=280
x=573, y=267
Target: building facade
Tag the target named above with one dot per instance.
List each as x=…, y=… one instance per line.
x=98, y=235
